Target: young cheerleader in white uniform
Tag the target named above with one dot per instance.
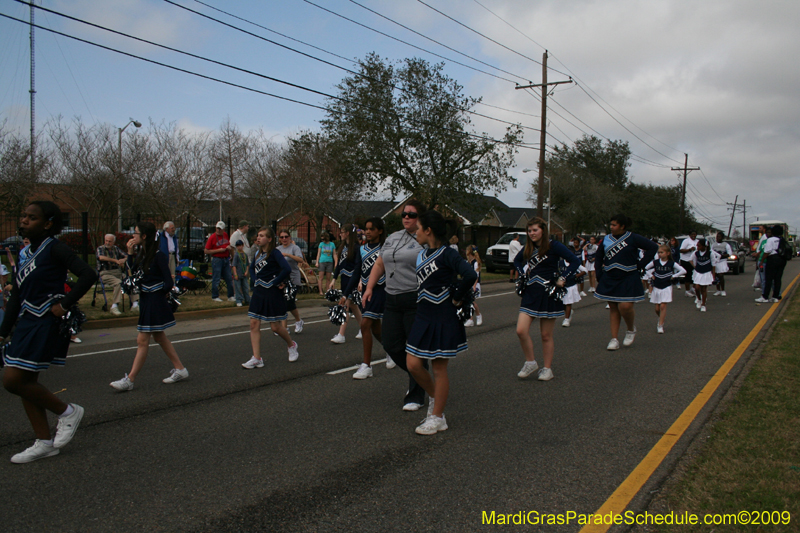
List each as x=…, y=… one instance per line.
x=591, y=255
x=721, y=267
x=474, y=259
x=662, y=273
x=573, y=295
x=703, y=260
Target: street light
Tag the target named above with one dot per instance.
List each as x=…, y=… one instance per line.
x=119, y=169
x=549, y=206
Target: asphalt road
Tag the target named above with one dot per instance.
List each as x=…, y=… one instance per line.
x=291, y=447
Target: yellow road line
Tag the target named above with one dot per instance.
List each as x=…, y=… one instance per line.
x=621, y=497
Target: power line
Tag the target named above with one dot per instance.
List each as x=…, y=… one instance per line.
x=709, y=184
x=485, y=36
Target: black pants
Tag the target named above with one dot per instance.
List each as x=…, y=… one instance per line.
x=398, y=316
x=773, y=272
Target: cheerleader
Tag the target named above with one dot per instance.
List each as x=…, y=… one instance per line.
x=155, y=314
x=372, y=314
x=348, y=248
x=268, y=304
x=702, y=261
x=572, y=296
x=474, y=259
x=577, y=248
x=663, y=270
x=675, y=255
x=538, y=263
x=437, y=334
x=618, y=266
x=35, y=308
x=723, y=249
x=591, y=255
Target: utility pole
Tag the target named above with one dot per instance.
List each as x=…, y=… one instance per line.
x=543, y=135
x=686, y=170
x=33, y=97
x=733, y=212
x=745, y=233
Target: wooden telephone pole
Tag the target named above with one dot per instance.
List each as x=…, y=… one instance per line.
x=686, y=170
x=543, y=136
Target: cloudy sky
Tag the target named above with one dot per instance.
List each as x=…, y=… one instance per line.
x=715, y=79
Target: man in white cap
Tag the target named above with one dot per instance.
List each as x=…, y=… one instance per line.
x=219, y=248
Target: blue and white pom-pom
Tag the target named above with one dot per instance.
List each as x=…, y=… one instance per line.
x=337, y=315
x=130, y=285
x=355, y=297
x=519, y=288
x=71, y=321
x=552, y=289
x=290, y=291
x=333, y=295
x=173, y=297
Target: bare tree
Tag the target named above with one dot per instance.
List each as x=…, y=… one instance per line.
x=16, y=181
x=230, y=149
x=263, y=176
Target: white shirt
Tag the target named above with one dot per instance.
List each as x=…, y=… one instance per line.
x=687, y=243
x=513, y=249
x=771, y=248
x=239, y=236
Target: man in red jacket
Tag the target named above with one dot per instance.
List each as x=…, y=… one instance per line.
x=219, y=248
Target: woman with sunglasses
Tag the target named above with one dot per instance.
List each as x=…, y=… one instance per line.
x=398, y=263
x=294, y=256
x=349, y=248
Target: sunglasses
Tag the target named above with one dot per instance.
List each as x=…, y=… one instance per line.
x=283, y=237
x=409, y=214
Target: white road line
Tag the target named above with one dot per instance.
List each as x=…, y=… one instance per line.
x=349, y=368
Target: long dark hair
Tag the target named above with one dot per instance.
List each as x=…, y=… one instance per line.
x=270, y=233
x=147, y=232
x=352, y=242
x=51, y=213
x=377, y=223
x=434, y=221
x=544, y=244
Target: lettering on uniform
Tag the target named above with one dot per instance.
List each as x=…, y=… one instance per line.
x=617, y=248
x=426, y=271
x=368, y=262
x=261, y=263
x=30, y=267
x=534, y=261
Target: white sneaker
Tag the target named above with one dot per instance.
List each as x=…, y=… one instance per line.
x=359, y=335
x=583, y=293
x=723, y=293
x=412, y=406
x=298, y=326
x=608, y=306
x=67, y=426
x=253, y=363
x=432, y=425
x=702, y=308
x=123, y=384
x=176, y=375
x=135, y=305
x=338, y=339
x=689, y=294
x=479, y=320
x=469, y=323
x=762, y=300
x=773, y=300
x=591, y=289
x=231, y=298
x=565, y=323
x=76, y=340
x=660, y=328
x=216, y=300
x=613, y=344
x=293, y=354
x=717, y=293
x=390, y=364
x=698, y=304
x=527, y=369
x=629, y=336
x=238, y=304
x=115, y=310
x=39, y=450
x=545, y=374
x=363, y=372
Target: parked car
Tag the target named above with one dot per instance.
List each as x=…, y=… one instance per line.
x=13, y=243
x=737, y=260
x=197, y=243
x=497, y=255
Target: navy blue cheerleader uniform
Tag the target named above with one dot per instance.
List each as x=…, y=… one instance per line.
x=591, y=256
x=437, y=332
x=268, y=303
x=541, y=270
x=38, y=285
x=345, y=268
x=155, y=314
x=662, y=276
x=365, y=260
x=703, y=267
x=618, y=265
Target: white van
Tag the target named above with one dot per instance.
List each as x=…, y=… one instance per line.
x=497, y=255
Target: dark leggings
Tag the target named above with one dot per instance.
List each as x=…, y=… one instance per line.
x=773, y=272
x=398, y=316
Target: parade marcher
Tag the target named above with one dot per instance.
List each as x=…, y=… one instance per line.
x=326, y=261
x=577, y=247
x=110, y=264
x=437, y=334
x=36, y=308
x=240, y=269
x=688, y=248
x=397, y=265
x=156, y=314
x=618, y=266
x=675, y=255
x=766, y=233
x=591, y=256
x=219, y=248
x=775, y=253
x=349, y=248
x=513, y=249
x=294, y=257
x=663, y=271
x=703, y=261
x=723, y=249
x=373, y=307
x=168, y=244
x=573, y=296
x=474, y=259
x=538, y=263
x=268, y=304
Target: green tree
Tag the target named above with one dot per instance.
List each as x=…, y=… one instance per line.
x=407, y=129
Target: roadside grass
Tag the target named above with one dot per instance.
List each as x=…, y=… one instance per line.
x=751, y=460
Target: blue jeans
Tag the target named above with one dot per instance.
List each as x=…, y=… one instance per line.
x=221, y=267
x=241, y=286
